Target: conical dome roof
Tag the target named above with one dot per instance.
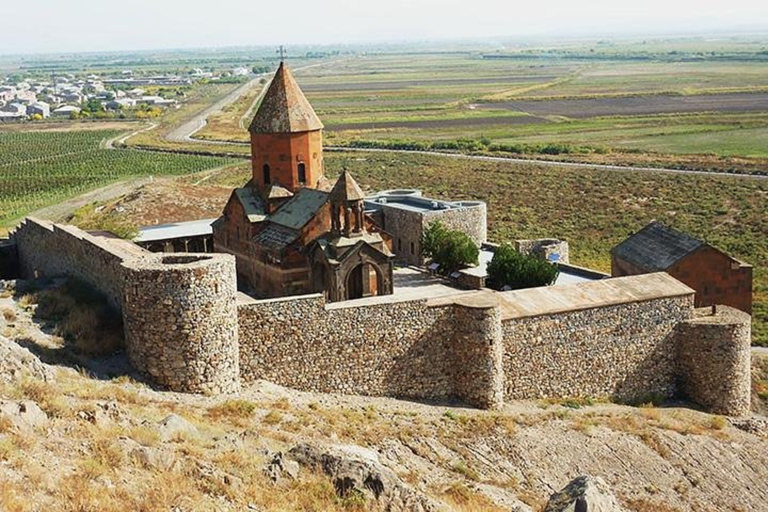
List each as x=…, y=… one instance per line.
x=284, y=108
x=346, y=189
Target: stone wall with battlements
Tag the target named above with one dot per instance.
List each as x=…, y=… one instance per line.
x=47, y=250
x=616, y=338
x=181, y=321
x=626, y=352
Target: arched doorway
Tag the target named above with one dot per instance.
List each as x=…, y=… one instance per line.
x=365, y=280
x=265, y=170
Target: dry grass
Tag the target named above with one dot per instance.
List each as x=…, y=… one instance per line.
x=82, y=317
x=145, y=435
x=236, y=412
x=47, y=396
x=462, y=498
x=9, y=315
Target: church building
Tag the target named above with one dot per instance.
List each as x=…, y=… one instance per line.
x=291, y=230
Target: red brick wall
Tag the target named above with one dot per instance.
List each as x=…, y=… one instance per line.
x=716, y=278
x=283, y=152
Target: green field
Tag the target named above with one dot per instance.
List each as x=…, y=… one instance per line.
x=592, y=209
x=42, y=168
x=720, y=84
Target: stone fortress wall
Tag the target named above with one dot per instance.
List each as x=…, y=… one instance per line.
x=625, y=338
x=178, y=310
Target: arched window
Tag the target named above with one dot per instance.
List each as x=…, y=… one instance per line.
x=266, y=174
x=302, y=173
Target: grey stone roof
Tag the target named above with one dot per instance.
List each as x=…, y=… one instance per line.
x=275, y=237
x=656, y=247
x=254, y=206
x=284, y=108
x=346, y=189
x=299, y=209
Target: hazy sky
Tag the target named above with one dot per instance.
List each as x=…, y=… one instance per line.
x=90, y=25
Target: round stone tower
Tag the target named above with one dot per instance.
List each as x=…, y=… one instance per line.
x=180, y=317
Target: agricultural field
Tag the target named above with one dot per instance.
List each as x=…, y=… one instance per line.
x=698, y=104
x=44, y=167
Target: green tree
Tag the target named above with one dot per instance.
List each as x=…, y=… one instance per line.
x=452, y=250
x=431, y=239
x=509, y=268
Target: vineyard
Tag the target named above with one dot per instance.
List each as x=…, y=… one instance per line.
x=42, y=168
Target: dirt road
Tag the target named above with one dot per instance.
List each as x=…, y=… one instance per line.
x=60, y=212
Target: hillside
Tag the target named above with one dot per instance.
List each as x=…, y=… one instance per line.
x=82, y=432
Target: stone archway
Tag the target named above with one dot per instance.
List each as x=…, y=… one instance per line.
x=364, y=280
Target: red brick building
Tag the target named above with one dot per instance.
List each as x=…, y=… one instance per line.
x=288, y=209
x=717, y=277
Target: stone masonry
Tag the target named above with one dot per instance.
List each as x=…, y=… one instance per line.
x=179, y=315
x=714, y=360
x=183, y=321
x=624, y=351
x=626, y=338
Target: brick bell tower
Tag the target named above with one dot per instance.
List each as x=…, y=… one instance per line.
x=286, y=137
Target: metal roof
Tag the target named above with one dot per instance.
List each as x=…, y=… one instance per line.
x=299, y=209
x=175, y=230
x=656, y=247
x=284, y=108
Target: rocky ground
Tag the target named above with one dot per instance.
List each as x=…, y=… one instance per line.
x=84, y=433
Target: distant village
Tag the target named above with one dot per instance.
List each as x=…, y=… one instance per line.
x=70, y=97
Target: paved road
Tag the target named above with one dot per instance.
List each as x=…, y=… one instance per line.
x=760, y=351
x=185, y=132
x=551, y=163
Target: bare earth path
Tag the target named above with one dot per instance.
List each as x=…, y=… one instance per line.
x=59, y=212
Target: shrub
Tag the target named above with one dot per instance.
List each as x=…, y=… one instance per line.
x=509, y=268
x=451, y=250
x=82, y=317
x=232, y=409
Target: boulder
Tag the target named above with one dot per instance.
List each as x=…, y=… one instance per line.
x=356, y=473
x=148, y=457
x=17, y=362
x=23, y=415
x=280, y=467
x=584, y=494
x=174, y=426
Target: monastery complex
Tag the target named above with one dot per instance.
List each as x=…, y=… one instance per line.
x=316, y=285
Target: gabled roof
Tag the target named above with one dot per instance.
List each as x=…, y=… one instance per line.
x=254, y=206
x=284, y=108
x=656, y=247
x=275, y=191
x=300, y=209
x=275, y=237
x=346, y=189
